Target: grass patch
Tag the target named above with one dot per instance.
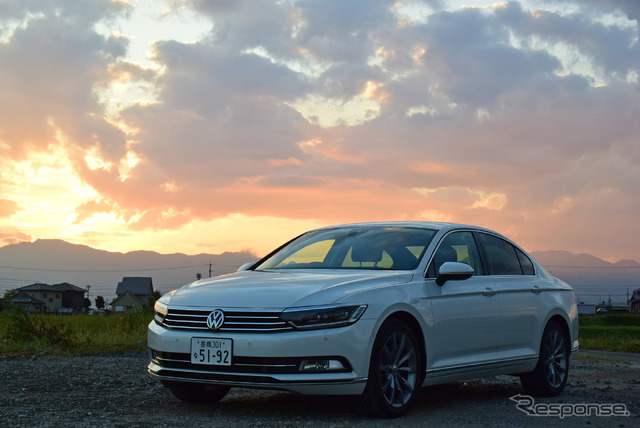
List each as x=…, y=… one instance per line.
x=22, y=333
x=611, y=332
x=612, y=320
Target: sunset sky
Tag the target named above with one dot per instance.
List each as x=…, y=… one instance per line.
x=200, y=126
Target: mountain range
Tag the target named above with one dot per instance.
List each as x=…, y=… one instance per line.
x=53, y=261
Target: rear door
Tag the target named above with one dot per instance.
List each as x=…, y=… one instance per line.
x=519, y=296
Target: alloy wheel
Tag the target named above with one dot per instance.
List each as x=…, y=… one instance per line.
x=556, y=360
x=398, y=369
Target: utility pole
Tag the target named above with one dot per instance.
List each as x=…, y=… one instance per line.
x=209, y=268
x=88, y=295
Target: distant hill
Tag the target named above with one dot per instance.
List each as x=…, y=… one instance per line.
x=593, y=279
x=53, y=261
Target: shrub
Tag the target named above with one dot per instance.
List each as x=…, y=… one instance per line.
x=76, y=334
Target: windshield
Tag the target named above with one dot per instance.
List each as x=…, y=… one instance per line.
x=364, y=247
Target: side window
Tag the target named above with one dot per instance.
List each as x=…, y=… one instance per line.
x=456, y=247
x=502, y=256
x=525, y=263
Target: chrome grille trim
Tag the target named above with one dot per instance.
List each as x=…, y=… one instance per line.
x=245, y=320
x=179, y=365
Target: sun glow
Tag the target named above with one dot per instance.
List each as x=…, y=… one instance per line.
x=332, y=112
x=47, y=190
x=489, y=200
x=95, y=161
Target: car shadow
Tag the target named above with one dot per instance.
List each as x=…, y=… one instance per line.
x=291, y=406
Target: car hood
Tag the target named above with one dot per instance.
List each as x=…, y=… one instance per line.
x=280, y=289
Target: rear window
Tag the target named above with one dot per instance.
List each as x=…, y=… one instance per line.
x=504, y=258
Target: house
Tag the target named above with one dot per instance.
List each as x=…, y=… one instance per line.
x=133, y=293
x=51, y=298
x=27, y=303
x=586, y=309
x=41, y=297
x=634, y=302
x=72, y=296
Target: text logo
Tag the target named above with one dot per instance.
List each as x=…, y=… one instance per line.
x=526, y=404
x=215, y=319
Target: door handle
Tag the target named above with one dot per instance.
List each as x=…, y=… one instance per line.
x=489, y=292
x=536, y=290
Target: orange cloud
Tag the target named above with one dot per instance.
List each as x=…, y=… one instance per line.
x=333, y=151
x=14, y=238
x=91, y=208
x=8, y=208
x=280, y=163
x=434, y=168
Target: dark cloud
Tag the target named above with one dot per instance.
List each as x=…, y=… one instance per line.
x=291, y=181
x=631, y=8
x=470, y=55
x=49, y=68
x=611, y=47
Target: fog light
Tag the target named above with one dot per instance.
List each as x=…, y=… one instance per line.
x=323, y=365
x=159, y=318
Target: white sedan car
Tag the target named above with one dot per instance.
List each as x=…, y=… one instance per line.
x=373, y=310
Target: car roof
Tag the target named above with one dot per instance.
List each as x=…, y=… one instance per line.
x=444, y=226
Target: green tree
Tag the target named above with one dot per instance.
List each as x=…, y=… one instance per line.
x=10, y=294
x=5, y=302
x=86, y=304
x=100, y=302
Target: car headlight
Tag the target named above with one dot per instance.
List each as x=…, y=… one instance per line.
x=161, y=307
x=317, y=317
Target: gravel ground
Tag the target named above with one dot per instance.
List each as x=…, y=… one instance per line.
x=106, y=391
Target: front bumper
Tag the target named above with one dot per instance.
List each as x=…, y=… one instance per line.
x=269, y=360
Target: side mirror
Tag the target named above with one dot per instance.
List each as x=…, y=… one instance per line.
x=453, y=271
x=245, y=266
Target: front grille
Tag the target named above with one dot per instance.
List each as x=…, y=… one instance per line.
x=247, y=321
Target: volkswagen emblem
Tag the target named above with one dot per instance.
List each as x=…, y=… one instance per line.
x=215, y=319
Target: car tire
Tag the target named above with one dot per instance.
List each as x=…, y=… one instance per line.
x=550, y=375
x=394, y=372
x=197, y=393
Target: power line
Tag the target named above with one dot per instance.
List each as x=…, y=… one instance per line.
x=16, y=280
x=110, y=270
x=578, y=292
x=591, y=267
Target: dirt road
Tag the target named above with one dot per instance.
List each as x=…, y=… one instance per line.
x=108, y=391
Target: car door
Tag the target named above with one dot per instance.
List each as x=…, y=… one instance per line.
x=465, y=312
x=513, y=276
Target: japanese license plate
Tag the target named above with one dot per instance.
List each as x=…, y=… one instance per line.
x=215, y=352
